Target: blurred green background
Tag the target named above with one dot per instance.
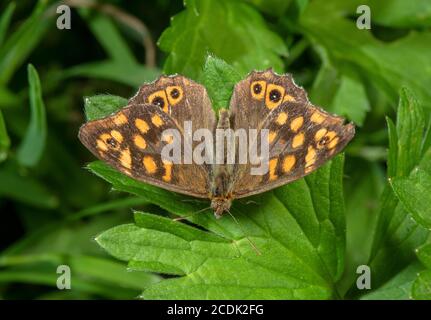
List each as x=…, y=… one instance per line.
x=51, y=207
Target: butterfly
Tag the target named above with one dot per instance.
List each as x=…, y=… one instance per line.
x=301, y=136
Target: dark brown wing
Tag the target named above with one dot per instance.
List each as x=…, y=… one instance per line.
x=255, y=97
x=301, y=137
x=132, y=140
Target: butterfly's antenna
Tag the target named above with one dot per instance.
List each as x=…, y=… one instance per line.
x=190, y=215
x=243, y=231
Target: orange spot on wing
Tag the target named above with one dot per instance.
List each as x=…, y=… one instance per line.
x=149, y=164
x=296, y=124
x=282, y=118
x=288, y=98
x=126, y=158
x=142, y=125
x=168, y=171
x=101, y=145
x=310, y=158
x=117, y=135
x=298, y=140
x=271, y=136
x=156, y=120
x=331, y=135
x=320, y=134
x=288, y=163
x=333, y=143
x=139, y=141
x=317, y=117
x=120, y=119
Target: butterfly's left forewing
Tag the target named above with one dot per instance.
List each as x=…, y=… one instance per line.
x=132, y=140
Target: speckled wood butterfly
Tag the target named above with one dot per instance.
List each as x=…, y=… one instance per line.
x=301, y=136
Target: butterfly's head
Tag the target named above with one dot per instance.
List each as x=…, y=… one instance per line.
x=220, y=205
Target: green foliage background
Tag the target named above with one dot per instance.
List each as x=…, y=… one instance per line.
x=369, y=206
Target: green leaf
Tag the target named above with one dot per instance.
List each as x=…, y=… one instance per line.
x=8, y=98
x=304, y=263
x=5, y=20
x=410, y=132
x=113, y=205
x=413, y=191
x=365, y=181
x=424, y=255
x=100, y=106
x=351, y=100
x=397, y=235
x=113, y=272
x=272, y=7
x=25, y=190
x=219, y=79
x=85, y=267
x=36, y=256
x=421, y=289
x=109, y=38
x=22, y=42
x=340, y=93
x=231, y=30
x=4, y=139
x=129, y=74
x=390, y=13
x=397, y=288
x=329, y=26
x=401, y=14
x=33, y=144
x=393, y=148
x=325, y=85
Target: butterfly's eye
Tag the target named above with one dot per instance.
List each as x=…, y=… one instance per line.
x=175, y=94
x=257, y=89
x=274, y=96
x=159, y=99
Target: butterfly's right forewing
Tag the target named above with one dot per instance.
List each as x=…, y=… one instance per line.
x=301, y=137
